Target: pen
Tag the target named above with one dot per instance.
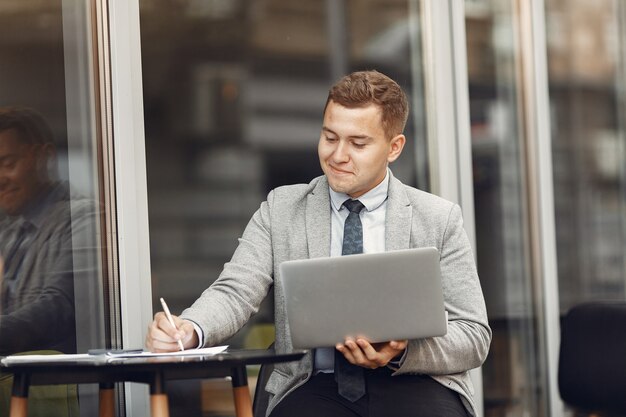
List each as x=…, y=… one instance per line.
x=171, y=320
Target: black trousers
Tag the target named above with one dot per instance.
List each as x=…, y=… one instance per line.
x=387, y=396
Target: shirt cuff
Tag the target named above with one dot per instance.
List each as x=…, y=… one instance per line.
x=395, y=364
x=199, y=332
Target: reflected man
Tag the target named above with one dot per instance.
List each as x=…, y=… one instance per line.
x=38, y=228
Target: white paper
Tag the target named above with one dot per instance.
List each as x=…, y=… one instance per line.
x=76, y=357
x=188, y=352
x=109, y=356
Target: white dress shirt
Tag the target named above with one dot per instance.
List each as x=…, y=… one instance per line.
x=373, y=221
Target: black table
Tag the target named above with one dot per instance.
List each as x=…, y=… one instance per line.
x=153, y=371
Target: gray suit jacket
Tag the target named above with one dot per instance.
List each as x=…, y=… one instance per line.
x=38, y=295
x=294, y=223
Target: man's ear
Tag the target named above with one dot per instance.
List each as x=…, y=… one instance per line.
x=46, y=161
x=396, y=144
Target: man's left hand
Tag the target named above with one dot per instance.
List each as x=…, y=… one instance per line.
x=371, y=355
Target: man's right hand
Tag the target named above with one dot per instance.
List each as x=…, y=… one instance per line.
x=162, y=337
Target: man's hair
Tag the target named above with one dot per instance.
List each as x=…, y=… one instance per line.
x=31, y=127
x=363, y=88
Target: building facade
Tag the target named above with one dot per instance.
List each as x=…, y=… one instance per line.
x=176, y=117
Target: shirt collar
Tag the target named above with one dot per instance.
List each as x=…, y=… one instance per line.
x=372, y=199
x=37, y=211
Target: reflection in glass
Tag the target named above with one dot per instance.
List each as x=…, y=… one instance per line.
x=234, y=94
x=513, y=380
x=37, y=288
x=589, y=147
x=51, y=290
x=586, y=69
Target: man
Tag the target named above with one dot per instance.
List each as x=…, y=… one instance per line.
x=364, y=119
x=41, y=232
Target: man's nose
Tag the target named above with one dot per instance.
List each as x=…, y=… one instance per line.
x=341, y=152
x=4, y=180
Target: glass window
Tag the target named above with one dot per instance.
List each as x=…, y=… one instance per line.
x=513, y=380
x=234, y=93
x=51, y=214
x=586, y=81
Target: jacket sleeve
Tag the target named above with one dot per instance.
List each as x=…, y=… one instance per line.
x=466, y=344
x=42, y=317
x=224, y=307
x=58, y=264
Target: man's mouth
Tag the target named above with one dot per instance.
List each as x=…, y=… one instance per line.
x=339, y=171
x=8, y=193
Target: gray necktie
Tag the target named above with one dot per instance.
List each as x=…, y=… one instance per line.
x=13, y=254
x=350, y=378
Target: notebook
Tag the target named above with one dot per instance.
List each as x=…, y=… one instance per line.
x=385, y=296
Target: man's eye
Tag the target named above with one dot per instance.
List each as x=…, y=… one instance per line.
x=8, y=163
x=328, y=139
x=359, y=145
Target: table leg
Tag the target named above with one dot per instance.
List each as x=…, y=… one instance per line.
x=158, y=397
x=107, y=400
x=19, y=396
x=159, y=406
x=19, y=407
x=241, y=392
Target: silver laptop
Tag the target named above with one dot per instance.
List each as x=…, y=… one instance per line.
x=380, y=296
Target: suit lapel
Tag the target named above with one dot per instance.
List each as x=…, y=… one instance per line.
x=399, y=217
x=397, y=227
x=318, y=220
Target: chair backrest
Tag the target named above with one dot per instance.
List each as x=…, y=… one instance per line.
x=261, y=397
x=592, y=362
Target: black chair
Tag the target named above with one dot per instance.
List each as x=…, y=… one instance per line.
x=261, y=397
x=592, y=362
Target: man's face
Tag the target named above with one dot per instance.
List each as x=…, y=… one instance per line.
x=353, y=149
x=19, y=174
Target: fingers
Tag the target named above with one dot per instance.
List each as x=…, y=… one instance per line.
x=399, y=345
x=163, y=337
x=367, y=355
x=358, y=355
